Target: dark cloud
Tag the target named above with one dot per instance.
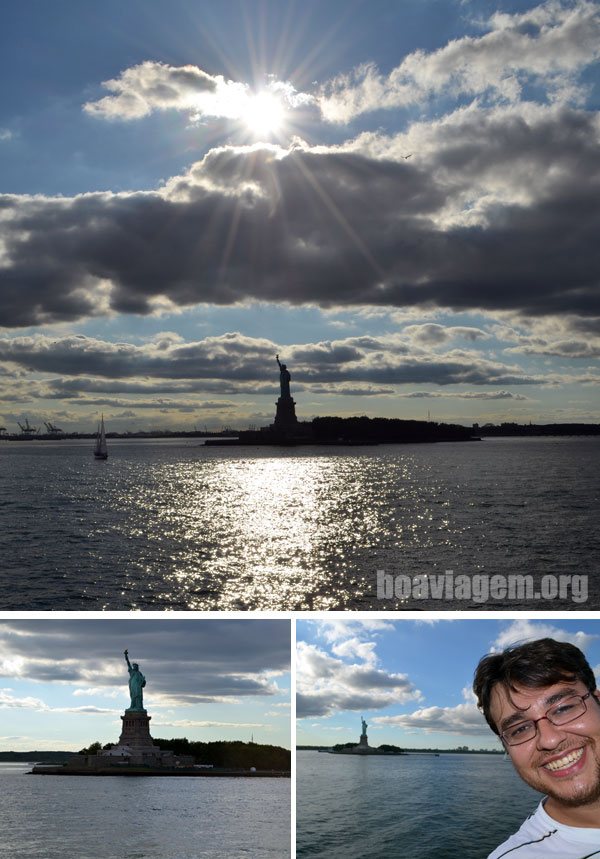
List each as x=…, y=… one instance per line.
x=192, y=660
x=465, y=395
x=433, y=334
x=315, y=704
x=587, y=326
x=240, y=362
x=69, y=388
x=158, y=404
x=349, y=391
x=331, y=227
x=561, y=348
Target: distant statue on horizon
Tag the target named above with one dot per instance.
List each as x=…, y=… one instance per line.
x=284, y=379
x=137, y=681
x=364, y=727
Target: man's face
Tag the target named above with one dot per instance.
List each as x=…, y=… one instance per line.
x=560, y=761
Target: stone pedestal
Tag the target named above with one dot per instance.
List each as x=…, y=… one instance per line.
x=135, y=730
x=285, y=415
x=135, y=740
x=363, y=747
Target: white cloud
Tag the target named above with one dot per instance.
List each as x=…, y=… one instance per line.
x=355, y=648
x=12, y=665
x=151, y=86
x=341, y=630
x=206, y=723
x=326, y=684
x=547, y=46
x=463, y=719
x=526, y=630
x=9, y=702
x=104, y=692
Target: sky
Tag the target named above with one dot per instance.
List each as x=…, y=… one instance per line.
x=64, y=683
x=410, y=680
x=398, y=197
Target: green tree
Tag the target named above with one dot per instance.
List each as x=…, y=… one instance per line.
x=91, y=750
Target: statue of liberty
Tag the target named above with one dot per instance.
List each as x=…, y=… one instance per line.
x=284, y=380
x=286, y=421
x=137, y=681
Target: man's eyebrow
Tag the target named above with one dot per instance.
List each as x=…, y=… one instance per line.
x=562, y=693
x=521, y=715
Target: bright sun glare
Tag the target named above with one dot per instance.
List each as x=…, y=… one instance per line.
x=264, y=114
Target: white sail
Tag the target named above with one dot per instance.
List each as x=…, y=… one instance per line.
x=100, y=450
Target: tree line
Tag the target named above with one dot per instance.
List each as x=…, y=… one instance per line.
x=233, y=754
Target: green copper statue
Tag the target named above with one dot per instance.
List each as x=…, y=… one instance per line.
x=137, y=681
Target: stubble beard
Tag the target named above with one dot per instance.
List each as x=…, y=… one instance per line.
x=582, y=796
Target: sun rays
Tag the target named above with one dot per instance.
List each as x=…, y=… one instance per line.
x=264, y=115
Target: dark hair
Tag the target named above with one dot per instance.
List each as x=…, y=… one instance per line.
x=535, y=664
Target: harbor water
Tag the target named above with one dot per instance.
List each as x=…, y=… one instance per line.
x=175, y=524
x=417, y=806
x=50, y=817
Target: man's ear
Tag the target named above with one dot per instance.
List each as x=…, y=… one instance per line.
x=596, y=694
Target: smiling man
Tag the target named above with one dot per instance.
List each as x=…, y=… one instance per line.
x=541, y=699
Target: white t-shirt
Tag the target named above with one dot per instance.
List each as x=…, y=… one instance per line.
x=541, y=836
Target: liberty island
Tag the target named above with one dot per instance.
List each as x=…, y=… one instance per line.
x=136, y=754
x=363, y=747
x=286, y=429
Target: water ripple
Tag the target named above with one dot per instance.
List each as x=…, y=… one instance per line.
x=177, y=525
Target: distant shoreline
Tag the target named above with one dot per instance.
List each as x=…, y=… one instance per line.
x=505, y=430
x=416, y=751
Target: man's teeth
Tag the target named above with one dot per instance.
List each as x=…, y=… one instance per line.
x=564, y=762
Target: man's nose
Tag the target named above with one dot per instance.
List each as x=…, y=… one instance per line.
x=549, y=736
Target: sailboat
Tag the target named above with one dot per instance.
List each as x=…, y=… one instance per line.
x=100, y=451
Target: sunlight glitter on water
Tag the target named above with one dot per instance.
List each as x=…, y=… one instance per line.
x=180, y=526
x=263, y=532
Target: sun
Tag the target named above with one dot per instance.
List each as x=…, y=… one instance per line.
x=264, y=114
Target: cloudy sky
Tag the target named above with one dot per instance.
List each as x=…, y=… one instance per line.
x=64, y=683
x=399, y=198
x=411, y=680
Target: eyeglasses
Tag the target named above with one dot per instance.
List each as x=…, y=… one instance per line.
x=562, y=713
